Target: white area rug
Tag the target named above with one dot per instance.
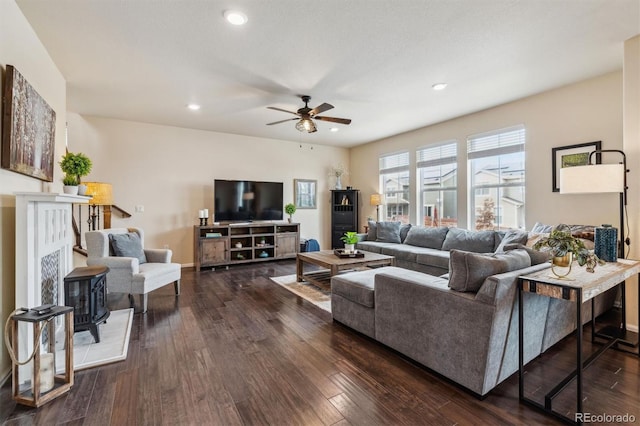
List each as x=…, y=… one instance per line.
x=319, y=297
x=113, y=346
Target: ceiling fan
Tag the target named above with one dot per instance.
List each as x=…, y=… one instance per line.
x=306, y=115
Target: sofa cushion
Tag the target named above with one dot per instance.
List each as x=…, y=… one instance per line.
x=537, y=256
x=388, y=232
x=372, y=231
x=429, y=237
x=433, y=257
x=474, y=241
x=127, y=245
x=400, y=252
x=510, y=237
x=467, y=271
x=358, y=286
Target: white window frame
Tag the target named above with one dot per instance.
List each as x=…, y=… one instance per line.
x=438, y=154
x=389, y=165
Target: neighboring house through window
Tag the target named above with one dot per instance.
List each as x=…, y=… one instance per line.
x=394, y=181
x=437, y=168
x=497, y=179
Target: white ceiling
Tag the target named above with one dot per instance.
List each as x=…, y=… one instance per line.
x=374, y=60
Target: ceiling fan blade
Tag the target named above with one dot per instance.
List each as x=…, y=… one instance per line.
x=282, y=121
x=334, y=119
x=320, y=108
x=283, y=110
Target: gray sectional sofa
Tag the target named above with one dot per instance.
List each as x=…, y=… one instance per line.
x=463, y=324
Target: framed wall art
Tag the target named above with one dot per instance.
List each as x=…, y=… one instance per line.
x=304, y=193
x=28, y=129
x=572, y=155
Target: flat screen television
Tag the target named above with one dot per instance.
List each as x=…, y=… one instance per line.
x=244, y=200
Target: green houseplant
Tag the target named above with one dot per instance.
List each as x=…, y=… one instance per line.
x=564, y=247
x=76, y=166
x=290, y=209
x=350, y=238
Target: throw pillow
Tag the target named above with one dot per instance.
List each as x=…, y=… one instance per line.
x=372, y=231
x=467, y=271
x=541, y=228
x=428, y=237
x=127, y=245
x=536, y=256
x=512, y=237
x=404, y=230
x=388, y=232
x=475, y=241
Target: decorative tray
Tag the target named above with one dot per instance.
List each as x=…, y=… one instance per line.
x=341, y=254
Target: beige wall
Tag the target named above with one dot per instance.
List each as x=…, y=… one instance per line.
x=20, y=47
x=631, y=120
x=170, y=171
x=584, y=112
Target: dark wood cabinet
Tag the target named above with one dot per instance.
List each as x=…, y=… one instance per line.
x=345, y=209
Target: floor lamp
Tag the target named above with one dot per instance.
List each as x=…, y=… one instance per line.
x=101, y=195
x=602, y=178
x=376, y=200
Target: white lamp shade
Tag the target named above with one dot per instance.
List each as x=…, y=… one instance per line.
x=592, y=179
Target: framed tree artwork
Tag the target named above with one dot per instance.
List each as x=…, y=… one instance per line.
x=28, y=129
x=572, y=155
x=304, y=193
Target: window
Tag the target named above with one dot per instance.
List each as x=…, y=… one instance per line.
x=497, y=179
x=394, y=181
x=438, y=180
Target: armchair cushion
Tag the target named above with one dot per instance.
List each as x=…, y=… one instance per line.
x=128, y=245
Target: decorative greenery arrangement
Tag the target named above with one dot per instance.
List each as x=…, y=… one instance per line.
x=290, y=209
x=349, y=237
x=75, y=166
x=560, y=242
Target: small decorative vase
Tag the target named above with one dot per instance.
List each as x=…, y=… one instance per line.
x=606, y=243
x=562, y=262
x=338, y=182
x=82, y=189
x=238, y=245
x=290, y=219
x=349, y=248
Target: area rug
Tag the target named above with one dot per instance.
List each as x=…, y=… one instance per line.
x=113, y=346
x=319, y=297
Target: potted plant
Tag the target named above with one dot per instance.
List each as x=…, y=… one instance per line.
x=349, y=239
x=76, y=165
x=70, y=183
x=290, y=209
x=564, y=247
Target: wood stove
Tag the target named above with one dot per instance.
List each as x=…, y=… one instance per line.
x=85, y=289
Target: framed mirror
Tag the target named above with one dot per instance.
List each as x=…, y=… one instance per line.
x=304, y=193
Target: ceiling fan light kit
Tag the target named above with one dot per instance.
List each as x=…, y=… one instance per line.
x=307, y=115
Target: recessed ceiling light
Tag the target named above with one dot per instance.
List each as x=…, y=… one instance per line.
x=235, y=17
x=193, y=107
x=439, y=86
x=333, y=129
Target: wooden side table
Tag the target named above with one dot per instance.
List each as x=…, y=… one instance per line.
x=581, y=287
x=31, y=392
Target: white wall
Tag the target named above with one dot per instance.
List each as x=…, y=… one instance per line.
x=170, y=171
x=20, y=47
x=584, y=112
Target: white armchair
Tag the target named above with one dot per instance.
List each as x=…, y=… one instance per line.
x=127, y=274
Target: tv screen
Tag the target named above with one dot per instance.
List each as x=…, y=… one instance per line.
x=243, y=200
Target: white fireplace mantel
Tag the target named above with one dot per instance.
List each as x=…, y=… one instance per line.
x=43, y=226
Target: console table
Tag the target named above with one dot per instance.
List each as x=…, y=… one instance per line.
x=581, y=287
x=234, y=243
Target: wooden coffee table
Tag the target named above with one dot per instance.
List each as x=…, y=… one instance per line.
x=334, y=265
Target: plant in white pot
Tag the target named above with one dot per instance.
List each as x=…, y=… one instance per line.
x=290, y=209
x=349, y=239
x=76, y=165
x=70, y=183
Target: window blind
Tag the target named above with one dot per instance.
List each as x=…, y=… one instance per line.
x=506, y=141
x=445, y=153
x=394, y=163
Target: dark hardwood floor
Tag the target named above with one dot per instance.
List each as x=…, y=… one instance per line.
x=236, y=349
